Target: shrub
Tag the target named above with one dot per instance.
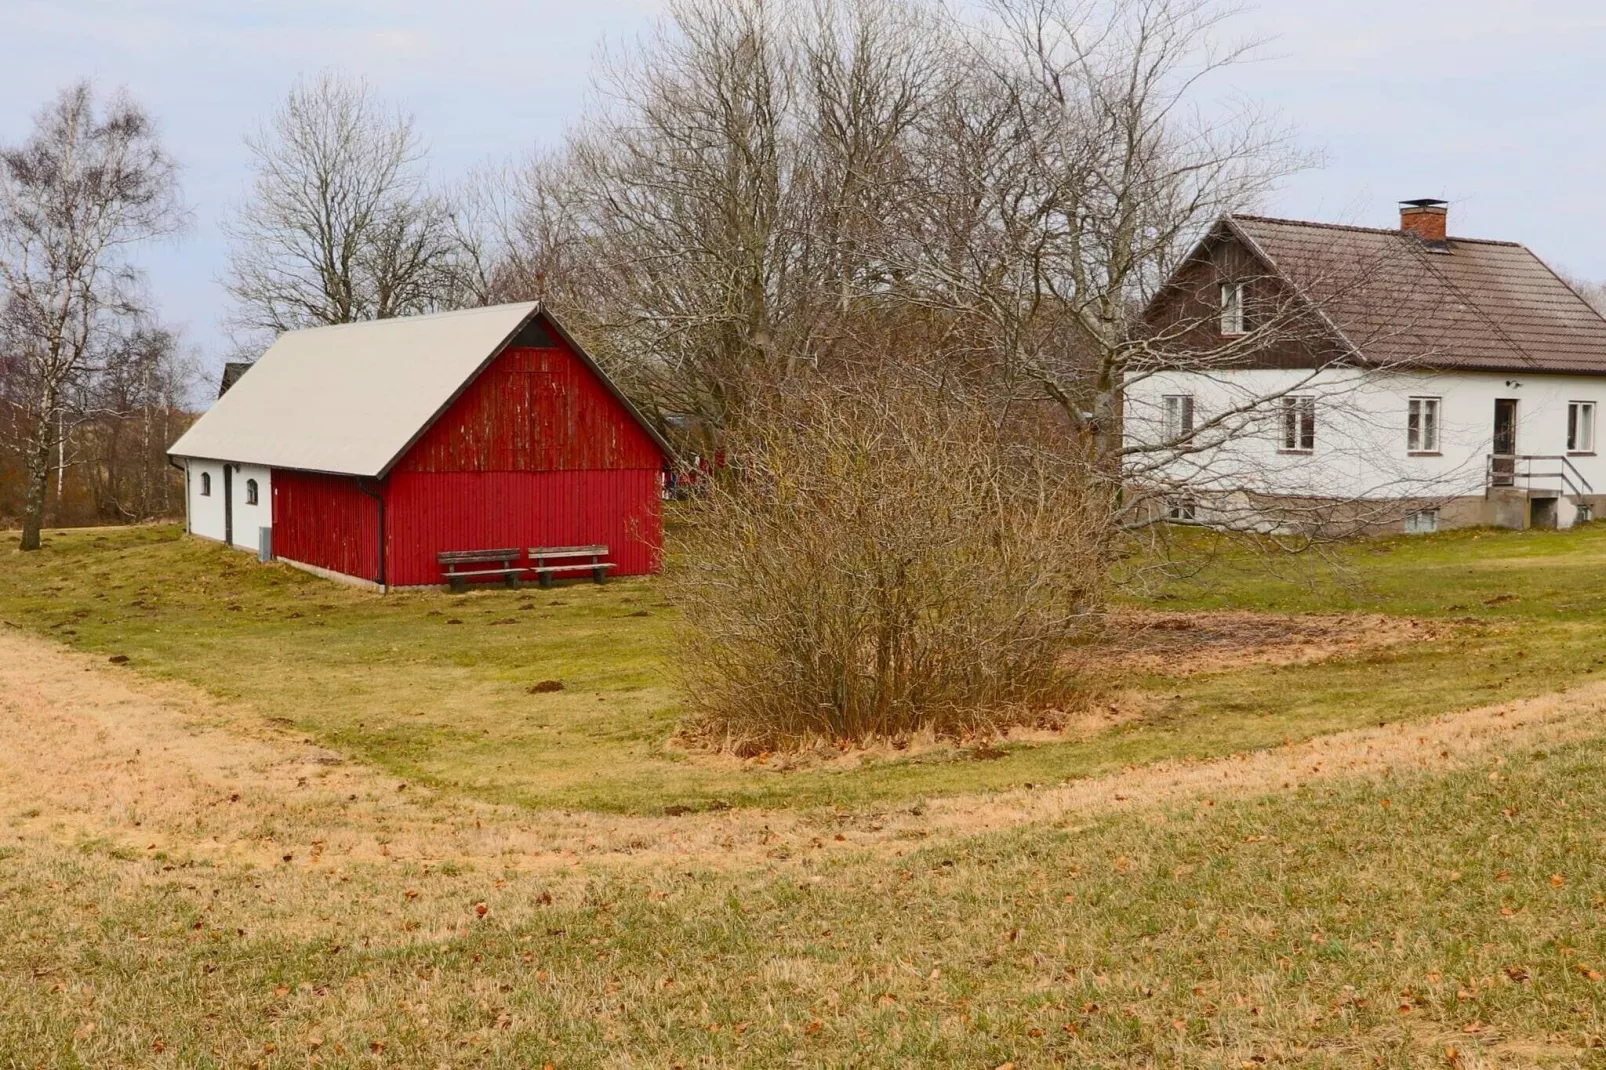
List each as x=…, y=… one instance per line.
x=881, y=559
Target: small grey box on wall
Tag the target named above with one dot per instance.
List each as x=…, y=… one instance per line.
x=264, y=545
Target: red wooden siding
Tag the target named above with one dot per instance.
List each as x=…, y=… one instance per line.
x=534, y=410
x=326, y=521
x=427, y=512
x=535, y=452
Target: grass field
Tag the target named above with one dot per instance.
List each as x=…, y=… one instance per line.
x=437, y=688
x=190, y=874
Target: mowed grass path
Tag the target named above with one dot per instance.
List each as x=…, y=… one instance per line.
x=438, y=687
x=1424, y=920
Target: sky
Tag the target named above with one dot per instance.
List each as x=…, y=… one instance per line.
x=1495, y=105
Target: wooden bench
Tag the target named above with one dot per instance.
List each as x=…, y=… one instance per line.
x=551, y=560
x=464, y=565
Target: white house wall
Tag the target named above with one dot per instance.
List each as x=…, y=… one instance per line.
x=206, y=512
x=1361, y=446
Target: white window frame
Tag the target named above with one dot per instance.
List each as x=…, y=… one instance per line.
x=251, y=493
x=1297, y=423
x=1423, y=424
x=1177, y=416
x=1581, y=427
x=206, y=484
x=1233, y=322
x=1182, y=508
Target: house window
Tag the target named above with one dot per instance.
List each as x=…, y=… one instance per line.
x=250, y=492
x=1581, y=427
x=1181, y=508
x=1299, y=424
x=1422, y=522
x=206, y=484
x=1178, y=416
x=1232, y=308
x=1422, y=426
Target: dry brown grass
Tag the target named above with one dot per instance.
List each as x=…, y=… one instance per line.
x=152, y=917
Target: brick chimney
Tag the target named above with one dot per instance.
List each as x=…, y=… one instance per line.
x=1426, y=218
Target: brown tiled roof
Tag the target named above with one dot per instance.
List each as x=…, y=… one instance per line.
x=1478, y=305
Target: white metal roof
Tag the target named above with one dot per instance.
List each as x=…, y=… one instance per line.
x=350, y=399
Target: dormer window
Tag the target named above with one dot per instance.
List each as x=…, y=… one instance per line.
x=1232, y=308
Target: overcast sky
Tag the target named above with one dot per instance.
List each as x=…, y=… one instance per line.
x=1496, y=106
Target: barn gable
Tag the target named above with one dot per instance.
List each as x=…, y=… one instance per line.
x=534, y=410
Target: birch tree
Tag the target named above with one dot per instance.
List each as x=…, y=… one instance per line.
x=88, y=185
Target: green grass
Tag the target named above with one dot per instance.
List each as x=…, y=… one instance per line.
x=391, y=680
x=1446, y=920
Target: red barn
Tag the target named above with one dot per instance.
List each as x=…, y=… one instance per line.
x=370, y=448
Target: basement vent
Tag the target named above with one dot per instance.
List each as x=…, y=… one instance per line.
x=1422, y=522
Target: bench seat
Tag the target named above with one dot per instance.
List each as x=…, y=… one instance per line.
x=503, y=564
x=550, y=560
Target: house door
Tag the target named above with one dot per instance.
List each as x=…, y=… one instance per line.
x=1503, y=465
x=228, y=504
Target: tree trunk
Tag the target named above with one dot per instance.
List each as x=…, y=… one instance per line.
x=33, y=505
x=38, y=460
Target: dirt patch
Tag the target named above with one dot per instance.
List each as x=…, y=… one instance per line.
x=1186, y=644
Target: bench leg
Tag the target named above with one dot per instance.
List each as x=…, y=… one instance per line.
x=458, y=584
x=599, y=574
x=546, y=579
x=513, y=581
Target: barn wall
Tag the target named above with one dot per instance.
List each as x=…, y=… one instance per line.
x=326, y=521
x=536, y=452
x=534, y=410
x=427, y=512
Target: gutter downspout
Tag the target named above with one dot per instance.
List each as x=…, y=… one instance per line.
x=379, y=497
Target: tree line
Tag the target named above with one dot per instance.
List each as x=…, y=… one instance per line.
x=890, y=257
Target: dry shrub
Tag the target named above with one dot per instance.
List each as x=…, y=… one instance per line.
x=879, y=560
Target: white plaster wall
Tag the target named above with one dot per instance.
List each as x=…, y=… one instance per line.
x=1361, y=445
x=206, y=512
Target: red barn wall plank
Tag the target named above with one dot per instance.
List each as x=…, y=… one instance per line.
x=534, y=410
x=427, y=512
x=326, y=521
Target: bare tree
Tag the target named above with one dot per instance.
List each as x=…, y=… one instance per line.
x=87, y=185
x=340, y=224
x=766, y=184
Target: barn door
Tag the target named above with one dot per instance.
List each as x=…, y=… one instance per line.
x=228, y=504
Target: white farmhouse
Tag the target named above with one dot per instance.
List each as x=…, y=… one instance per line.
x=1397, y=378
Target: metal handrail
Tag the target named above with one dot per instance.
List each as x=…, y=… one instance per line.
x=1572, y=480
